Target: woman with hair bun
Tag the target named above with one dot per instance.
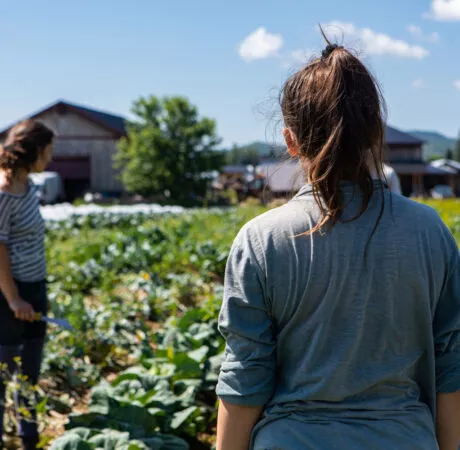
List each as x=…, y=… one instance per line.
x=341, y=309
x=28, y=148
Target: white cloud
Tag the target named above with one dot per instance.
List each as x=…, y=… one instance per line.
x=457, y=84
x=445, y=10
x=260, y=44
x=417, y=32
x=301, y=56
x=296, y=58
x=375, y=43
x=418, y=83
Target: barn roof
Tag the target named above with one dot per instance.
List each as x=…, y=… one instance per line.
x=236, y=168
x=109, y=121
x=447, y=164
x=396, y=137
x=113, y=121
x=282, y=178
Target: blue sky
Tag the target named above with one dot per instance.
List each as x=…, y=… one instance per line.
x=229, y=58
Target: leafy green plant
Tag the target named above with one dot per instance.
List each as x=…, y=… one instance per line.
x=143, y=294
x=87, y=439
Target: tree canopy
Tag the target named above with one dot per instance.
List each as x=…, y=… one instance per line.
x=248, y=155
x=457, y=150
x=168, y=148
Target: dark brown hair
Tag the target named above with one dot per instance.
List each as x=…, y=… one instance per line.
x=334, y=108
x=23, y=146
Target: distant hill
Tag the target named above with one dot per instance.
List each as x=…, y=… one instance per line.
x=254, y=153
x=435, y=143
x=266, y=149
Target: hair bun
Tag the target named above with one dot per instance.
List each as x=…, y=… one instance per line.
x=328, y=50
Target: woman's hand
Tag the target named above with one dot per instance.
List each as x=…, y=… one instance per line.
x=23, y=310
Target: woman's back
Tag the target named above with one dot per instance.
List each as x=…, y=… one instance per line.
x=347, y=339
x=342, y=309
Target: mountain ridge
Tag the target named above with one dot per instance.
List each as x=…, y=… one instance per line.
x=435, y=143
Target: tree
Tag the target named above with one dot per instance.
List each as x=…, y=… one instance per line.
x=247, y=155
x=168, y=148
x=449, y=154
x=436, y=157
x=457, y=150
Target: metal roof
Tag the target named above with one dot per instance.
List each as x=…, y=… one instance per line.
x=240, y=168
x=396, y=137
x=282, y=177
x=113, y=121
x=420, y=169
x=447, y=164
x=109, y=121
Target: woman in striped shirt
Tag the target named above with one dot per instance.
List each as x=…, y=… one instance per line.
x=27, y=148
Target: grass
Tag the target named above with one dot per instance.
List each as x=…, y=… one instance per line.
x=449, y=210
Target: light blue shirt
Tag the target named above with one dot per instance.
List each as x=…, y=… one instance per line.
x=344, y=351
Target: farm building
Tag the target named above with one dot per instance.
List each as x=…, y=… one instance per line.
x=282, y=179
x=404, y=154
x=243, y=179
x=453, y=167
x=84, y=147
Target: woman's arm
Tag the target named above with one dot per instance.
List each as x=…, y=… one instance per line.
x=7, y=284
x=446, y=328
x=448, y=421
x=22, y=309
x=247, y=379
x=234, y=425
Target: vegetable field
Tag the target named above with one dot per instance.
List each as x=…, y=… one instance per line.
x=143, y=294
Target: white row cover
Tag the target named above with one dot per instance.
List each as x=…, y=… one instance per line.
x=63, y=211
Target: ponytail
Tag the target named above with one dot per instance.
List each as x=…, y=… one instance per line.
x=334, y=108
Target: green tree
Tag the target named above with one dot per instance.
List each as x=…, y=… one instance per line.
x=457, y=150
x=449, y=154
x=247, y=155
x=434, y=157
x=168, y=148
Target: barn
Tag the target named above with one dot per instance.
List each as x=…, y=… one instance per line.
x=84, y=148
x=403, y=153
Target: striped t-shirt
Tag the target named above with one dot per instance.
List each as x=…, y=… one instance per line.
x=22, y=229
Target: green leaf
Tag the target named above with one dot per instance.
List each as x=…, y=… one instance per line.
x=199, y=355
x=133, y=445
x=166, y=442
x=70, y=441
x=109, y=439
x=100, y=399
x=41, y=406
x=181, y=417
x=134, y=415
x=84, y=433
x=90, y=420
x=124, y=377
x=192, y=316
x=186, y=367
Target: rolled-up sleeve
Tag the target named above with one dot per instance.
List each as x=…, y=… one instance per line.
x=5, y=217
x=447, y=333
x=247, y=375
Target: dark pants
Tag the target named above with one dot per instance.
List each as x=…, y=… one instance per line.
x=26, y=341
